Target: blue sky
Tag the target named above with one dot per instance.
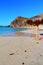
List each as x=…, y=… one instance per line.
x=10, y=9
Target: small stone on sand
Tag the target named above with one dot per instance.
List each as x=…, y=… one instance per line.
x=25, y=51
x=11, y=54
x=23, y=63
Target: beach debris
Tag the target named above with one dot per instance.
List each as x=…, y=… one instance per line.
x=23, y=63
x=11, y=54
x=41, y=34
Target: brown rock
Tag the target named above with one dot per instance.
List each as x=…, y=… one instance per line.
x=19, y=22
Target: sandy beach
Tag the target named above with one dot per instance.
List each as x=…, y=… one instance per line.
x=20, y=51
x=21, y=32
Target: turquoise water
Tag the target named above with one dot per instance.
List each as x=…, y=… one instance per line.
x=10, y=31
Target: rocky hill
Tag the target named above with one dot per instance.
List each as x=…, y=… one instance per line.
x=19, y=22
x=22, y=21
x=37, y=17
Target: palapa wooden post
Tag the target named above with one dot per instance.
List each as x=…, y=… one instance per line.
x=37, y=35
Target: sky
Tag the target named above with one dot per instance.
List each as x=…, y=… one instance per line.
x=10, y=9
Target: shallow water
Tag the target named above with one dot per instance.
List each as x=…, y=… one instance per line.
x=10, y=31
x=4, y=31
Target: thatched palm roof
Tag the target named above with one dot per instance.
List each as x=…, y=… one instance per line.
x=35, y=22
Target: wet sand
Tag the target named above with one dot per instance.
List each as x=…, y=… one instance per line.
x=20, y=51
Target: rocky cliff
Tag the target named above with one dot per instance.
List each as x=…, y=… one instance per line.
x=22, y=21
x=19, y=22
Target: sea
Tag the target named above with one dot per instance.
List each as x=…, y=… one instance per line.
x=5, y=31
x=10, y=31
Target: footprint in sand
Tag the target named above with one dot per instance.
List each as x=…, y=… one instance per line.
x=40, y=55
x=37, y=42
x=27, y=57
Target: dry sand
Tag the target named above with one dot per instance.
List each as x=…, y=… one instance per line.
x=20, y=51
